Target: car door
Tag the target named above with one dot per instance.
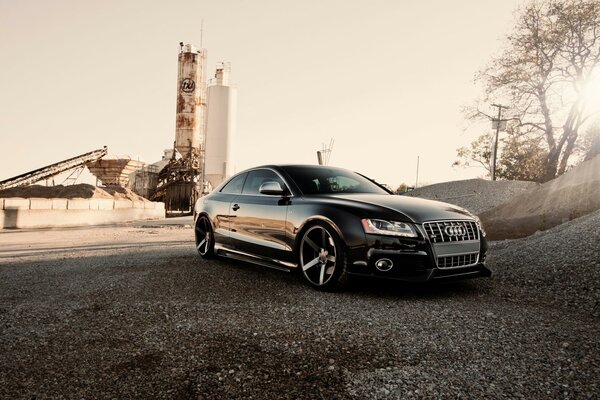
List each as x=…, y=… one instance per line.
x=257, y=222
x=221, y=208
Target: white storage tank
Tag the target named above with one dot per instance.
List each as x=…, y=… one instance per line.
x=220, y=127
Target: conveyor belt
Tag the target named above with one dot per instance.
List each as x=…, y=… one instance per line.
x=53, y=169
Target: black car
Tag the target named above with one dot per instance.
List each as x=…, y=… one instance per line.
x=331, y=223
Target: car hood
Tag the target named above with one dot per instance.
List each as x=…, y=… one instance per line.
x=416, y=209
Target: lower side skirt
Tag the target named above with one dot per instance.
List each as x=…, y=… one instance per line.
x=241, y=256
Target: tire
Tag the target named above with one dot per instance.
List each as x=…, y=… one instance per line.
x=322, y=258
x=205, y=239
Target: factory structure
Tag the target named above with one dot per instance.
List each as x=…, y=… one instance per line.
x=204, y=126
x=201, y=156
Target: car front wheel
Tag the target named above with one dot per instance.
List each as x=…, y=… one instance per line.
x=322, y=258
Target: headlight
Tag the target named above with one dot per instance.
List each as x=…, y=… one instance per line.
x=479, y=225
x=391, y=228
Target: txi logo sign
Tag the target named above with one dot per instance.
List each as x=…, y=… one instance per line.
x=188, y=85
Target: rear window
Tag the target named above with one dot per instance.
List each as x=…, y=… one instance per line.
x=235, y=185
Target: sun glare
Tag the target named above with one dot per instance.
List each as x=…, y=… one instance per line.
x=591, y=93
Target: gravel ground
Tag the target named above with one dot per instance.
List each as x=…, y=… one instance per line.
x=562, y=262
x=476, y=195
x=149, y=319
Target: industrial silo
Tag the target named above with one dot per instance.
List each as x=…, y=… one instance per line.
x=220, y=127
x=179, y=183
x=191, y=101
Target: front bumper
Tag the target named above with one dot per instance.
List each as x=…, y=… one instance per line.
x=415, y=260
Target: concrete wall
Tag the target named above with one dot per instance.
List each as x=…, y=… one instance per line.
x=44, y=213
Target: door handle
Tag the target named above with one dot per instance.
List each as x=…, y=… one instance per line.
x=235, y=207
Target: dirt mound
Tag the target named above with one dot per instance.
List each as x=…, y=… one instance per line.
x=569, y=196
x=83, y=191
x=123, y=193
x=562, y=261
x=476, y=195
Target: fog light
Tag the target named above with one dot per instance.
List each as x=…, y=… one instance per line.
x=384, y=264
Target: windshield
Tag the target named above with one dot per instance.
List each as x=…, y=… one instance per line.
x=326, y=180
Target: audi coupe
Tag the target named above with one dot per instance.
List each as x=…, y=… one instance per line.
x=331, y=224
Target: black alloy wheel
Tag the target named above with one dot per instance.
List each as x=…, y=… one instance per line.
x=205, y=241
x=322, y=259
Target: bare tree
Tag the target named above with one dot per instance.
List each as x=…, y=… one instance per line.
x=548, y=62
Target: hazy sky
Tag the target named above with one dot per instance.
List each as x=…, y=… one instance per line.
x=385, y=79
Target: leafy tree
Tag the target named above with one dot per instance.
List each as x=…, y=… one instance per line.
x=522, y=159
x=544, y=75
x=402, y=188
x=478, y=154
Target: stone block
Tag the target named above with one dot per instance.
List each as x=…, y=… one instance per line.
x=101, y=204
x=94, y=204
x=40, y=204
x=105, y=204
x=78, y=204
x=123, y=204
x=59, y=204
x=15, y=203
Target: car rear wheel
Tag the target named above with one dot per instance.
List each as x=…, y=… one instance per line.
x=322, y=258
x=205, y=240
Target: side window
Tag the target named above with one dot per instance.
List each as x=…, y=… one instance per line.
x=235, y=185
x=330, y=184
x=342, y=183
x=257, y=177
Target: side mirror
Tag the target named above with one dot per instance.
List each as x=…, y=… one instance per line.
x=271, y=188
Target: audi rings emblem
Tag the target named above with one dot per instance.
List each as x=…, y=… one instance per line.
x=455, y=230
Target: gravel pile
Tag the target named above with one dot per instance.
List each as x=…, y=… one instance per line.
x=476, y=195
x=563, y=263
x=82, y=190
x=569, y=196
x=158, y=322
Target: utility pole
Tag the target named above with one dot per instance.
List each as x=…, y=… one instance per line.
x=324, y=154
x=320, y=157
x=417, y=180
x=498, y=122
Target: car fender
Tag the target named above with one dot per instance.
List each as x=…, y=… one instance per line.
x=346, y=225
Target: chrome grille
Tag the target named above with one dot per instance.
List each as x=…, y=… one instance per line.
x=438, y=232
x=457, y=261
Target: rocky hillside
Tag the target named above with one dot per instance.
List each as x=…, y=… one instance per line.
x=476, y=195
x=569, y=196
x=515, y=209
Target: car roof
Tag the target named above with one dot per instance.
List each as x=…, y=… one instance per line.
x=293, y=165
